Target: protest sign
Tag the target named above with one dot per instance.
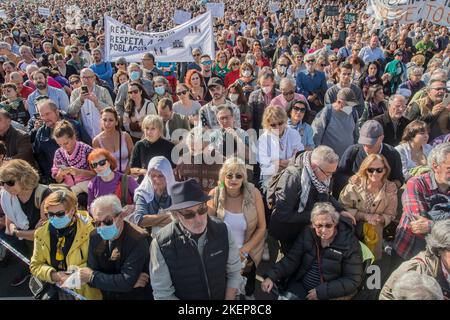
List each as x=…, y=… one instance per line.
x=44, y=11
x=181, y=16
x=217, y=9
x=331, y=11
x=300, y=13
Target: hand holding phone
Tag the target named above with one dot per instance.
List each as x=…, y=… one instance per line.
x=84, y=90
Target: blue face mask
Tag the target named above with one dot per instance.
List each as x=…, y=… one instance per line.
x=108, y=232
x=160, y=90
x=59, y=222
x=135, y=75
x=328, y=46
x=105, y=173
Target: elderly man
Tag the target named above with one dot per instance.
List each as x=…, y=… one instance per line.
x=149, y=68
x=182, y=266
x=372, y=52
x=27, y=58
x=393, y=121
x=118, y=257
x=17, y=79
x=420, y=200
x=346, y=51
x=44, y=145
x=102, y=69
x=196, y=54
x=136, y=74
x=87, y=102
x=59, y=97
x=288, y=94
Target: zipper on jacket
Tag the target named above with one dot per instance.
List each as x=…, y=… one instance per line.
x=203, y=264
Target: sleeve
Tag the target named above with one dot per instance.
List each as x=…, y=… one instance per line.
x=75, y=103
x=63, y=101
x=391, y=209
x=413, y=199
x=24, y=148
x=396, y=164
x=31, y=106
x=39, y=266
x=318, y=127
x=233, y=268
x=267, y=151
x=309, y=136
x=299, y=85
x=347, y=199
x=135, y=161
x=323, y=82
x=400, y=149
x=57, y=161
x=105, y=98
x=162, y=285
x=327, y=98
x=412, y=112
x=142, y=208
x=121, y=98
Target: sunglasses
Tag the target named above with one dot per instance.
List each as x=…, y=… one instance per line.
x=120, y=64
x=196, y=55
x=323, y=65
x=327, y=226
x=206, y=63
x=237, y=176
x=101, y=163
x=75, y=82
x=372, y=170
x=189, y=214
x=289, y=93
x=74, y=52
x=283, y=65
x=58, y=214
x=181, y=93
x=107, y=222
x=274, y=125
x=298, y=109
x=9, y=183
x=235, y=64
x=310, y=61
x=133, y=91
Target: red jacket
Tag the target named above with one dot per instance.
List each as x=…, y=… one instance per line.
x=231, y=77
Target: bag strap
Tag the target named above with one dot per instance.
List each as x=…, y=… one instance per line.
x=124, y=189
x=120, y=150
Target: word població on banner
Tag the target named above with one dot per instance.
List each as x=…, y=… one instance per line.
x=174, y=45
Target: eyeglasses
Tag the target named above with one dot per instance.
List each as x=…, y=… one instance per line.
x=107, y=222
x=327, y=174
x=373, y=170
x=133, y=91
x=235, y=64
x=298, y=109
x=237, y=176
x=274, y=125
x=74, y=52
x=189, y=214
x=88, y=77
x=310, y=61
x=283, y=65
x=58, y=214
x=9, y=183
x=196, y=55
x=120, y=64
x=326, y=226
x=289, y=93
x=206, y=63
x=180, y=93
x=101, y=163
x=74, y=82
x=323, y=65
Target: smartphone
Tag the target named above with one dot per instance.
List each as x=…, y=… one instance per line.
x=84, y=90
x=62, y=166
x=37, y=116
x=446, y=100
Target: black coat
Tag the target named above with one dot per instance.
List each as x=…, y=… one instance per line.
x=392, y=137
x=341, y=263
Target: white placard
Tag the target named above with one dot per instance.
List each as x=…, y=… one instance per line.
x=180, y=16
x=300, y=13
x=44, y=11
x=302, y=2
x=274, y=6
x=3, y=14
x=217, y=9
x=73, y=17
x=174, y=45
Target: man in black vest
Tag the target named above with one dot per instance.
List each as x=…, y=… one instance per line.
x=195, y=256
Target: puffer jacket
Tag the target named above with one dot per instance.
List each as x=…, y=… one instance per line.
x=341, y=263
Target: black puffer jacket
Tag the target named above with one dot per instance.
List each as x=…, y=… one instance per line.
x=341, y=263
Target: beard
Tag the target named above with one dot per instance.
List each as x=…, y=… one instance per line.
x=41, y=86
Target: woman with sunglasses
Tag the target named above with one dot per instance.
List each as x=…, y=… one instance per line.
x=75, y=81
x=62, y=241
x=277, y=145
x=240, y=205
x=21, y=202
x=234, y=65
x=153, y=196
x=14, y=104
x=297, y=112
x=185, y=106
x=220, y=67
x=371, y=198
x=109, y=180
x=324, y=263
x=197, y=89
x=137, y=107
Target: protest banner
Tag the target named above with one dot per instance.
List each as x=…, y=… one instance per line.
x=300, y=13
x=349, y=18
x=331, y=11
x=3, y=14
x=217, y=9
x=274, y=6
x=174, y=45
x=181, y=16
x=44, y=11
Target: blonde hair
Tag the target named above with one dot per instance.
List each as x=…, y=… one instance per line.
x=362, y=172
x=235, y=165
x=273, y=113
x=66, y=198
x=232, y=61
x=20, y=171
x=153, y=120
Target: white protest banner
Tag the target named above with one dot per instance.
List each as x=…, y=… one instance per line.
x=217, y=9
x=302, y=2
x=437, y=11
x=300, y=13
x=73, y=17
x=44, y=11
x=181, y=16
x=174, y=45
x=274, y=6
x=3, y=14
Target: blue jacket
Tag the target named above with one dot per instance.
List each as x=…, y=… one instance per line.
x=104, y=71
x=306, y=83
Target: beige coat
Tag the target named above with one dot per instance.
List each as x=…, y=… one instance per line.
x=354, y=198
x=250, y=215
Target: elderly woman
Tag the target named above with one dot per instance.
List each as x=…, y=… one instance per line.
x=70, y=164
x=61, y=242
x=240, y=205
x=153, y=196
x=371, y=199
x=414, y=149
x=434, y=261
x=297, y=112
x=325, y=261
x=21, y=202
x=162, y=89
x=288, y=94
x=152, y=144
x=278, y=144
x=108, y=180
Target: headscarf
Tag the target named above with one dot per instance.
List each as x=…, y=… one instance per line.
x=146, y=189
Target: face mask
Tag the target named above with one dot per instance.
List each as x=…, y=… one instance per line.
x=246, y=73
x=328, y=46
x=135, y=75
x=266, y=89
x=251, y=61
x=16, y=33
x=59, y=222
x=108, y=232
x=105, y=173
x=283, y=69
x=347, y=109
x=160, y=90
x=233, y=97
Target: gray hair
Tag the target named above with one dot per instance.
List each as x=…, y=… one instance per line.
x=223, y=107
x=322, y=208
x=287, y=82
x=5, y=45
x=413, y=70
x=133, y=64
x=395, y=97
x=161, y=79
x=438, y=154
x=48, y=102
x=413, y=285
x=323, y=154
x=108, y=201
x=439, y=238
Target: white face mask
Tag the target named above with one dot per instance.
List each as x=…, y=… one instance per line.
x=347, y=109
x=246, y=73
x=233, y=97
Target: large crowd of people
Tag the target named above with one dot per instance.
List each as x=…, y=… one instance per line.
x=327, y=136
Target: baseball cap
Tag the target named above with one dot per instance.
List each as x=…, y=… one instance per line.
x=347, y=95
x=370, y=132
x=3, y=59
x=214, y=81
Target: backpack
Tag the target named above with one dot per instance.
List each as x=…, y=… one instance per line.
x=41, y=188
x=328, y=112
